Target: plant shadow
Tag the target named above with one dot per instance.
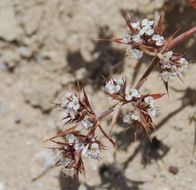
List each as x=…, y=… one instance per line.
x=107, y=60
x=152, y=149
x=112, y=178
x=177, y=17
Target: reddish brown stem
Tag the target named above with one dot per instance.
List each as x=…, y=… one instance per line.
x=106, y=112
x=146, y=73
x=115, y=118
x=182, y=37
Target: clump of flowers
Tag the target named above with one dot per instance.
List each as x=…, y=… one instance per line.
x=172, y=65
x=146, y=37
x=80, y=141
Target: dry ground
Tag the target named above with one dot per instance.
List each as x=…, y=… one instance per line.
x=48, y=45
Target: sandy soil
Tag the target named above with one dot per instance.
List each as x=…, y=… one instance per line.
x=49, y=45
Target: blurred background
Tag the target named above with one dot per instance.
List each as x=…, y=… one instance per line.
x=46, y=46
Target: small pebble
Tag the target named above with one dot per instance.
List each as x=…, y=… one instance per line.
x=173, y=169
x=17, y=119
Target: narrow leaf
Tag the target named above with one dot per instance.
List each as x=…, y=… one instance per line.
x=63, y=133
x=159, y=27
x=166, y=87
x=157, y=96
x=133, y=31
x=105, y=134
x=115, y=117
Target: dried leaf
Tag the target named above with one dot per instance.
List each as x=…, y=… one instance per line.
x=159, y=27
x=157, y=96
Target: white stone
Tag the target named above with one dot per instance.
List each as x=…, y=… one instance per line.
x=9, y=29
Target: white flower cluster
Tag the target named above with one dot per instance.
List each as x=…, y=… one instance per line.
x=86, y=123
x=131, y=116
x=92, y=151
x=134, y=53
x=172, y=69
x=131, y=93
x=71, y=103
x=145, y=27
x=114, y=86
x=149, y=100
x=159, y=40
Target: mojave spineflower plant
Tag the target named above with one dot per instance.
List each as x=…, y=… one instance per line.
x=81, y=141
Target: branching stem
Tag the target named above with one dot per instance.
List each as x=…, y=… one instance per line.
x=182, y=37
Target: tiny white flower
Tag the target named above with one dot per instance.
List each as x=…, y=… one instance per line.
x=78, y=145
x=85, y=152
x=65, y=114
x=149, y=100
x=68, y=94
x=94, y=151
x=86, y=123
x=71, y=103
x=66, y=99
x=127, y=119
x=130, y=93
x=147, y=31
x=159, y=40
x=183, y=61
x=166, y=76
x=110, y=87
x=136, y=38
x=180, y=69
x=74, y=104
x=70, y=138
x=152, y=112
x=126, y=39
x=146, y=27
x=64, y=102
x=133, y=115
x=165, y=65
x=167, y=56
x=113, y=86
x=119, y=81
x=135, y=53
x=147, y=23
x=72, y=113
x=135, y=25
